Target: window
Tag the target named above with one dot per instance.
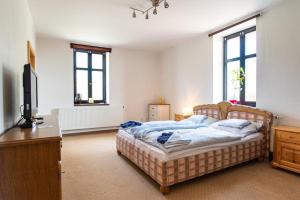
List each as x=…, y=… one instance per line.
x=240, y=67
x=90, y=75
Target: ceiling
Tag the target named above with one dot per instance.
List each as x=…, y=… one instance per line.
x=110, y=23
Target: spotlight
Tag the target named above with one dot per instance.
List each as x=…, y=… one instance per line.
x=134, y=14
x=155, y=11
x=147, y=16
x=166, y=4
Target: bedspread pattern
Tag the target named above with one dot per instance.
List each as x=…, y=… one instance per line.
x=167, y=173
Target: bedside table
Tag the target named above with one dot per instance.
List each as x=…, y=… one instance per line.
x=287, y=148
x=179, y=117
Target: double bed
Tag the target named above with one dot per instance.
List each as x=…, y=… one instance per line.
x=169, y=168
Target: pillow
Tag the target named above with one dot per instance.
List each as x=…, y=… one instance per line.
x=253, y=127
x=197, y=119
x=235, y=123
x=209, y=121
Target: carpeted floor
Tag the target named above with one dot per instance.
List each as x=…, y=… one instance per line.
x=94, y=171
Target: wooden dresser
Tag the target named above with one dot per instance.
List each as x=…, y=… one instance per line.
x=159, y=112
x=30, y=162
x=287, y=148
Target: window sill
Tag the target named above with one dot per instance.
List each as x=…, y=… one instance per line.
x=91, y=104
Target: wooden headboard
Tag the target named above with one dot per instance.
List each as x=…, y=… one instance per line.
x=226, y=110
x=211, y=110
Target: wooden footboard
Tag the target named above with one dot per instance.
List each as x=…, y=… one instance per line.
x=168, y=173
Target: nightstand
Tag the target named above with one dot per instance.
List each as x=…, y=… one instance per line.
x=179, y=117
x=287, y=148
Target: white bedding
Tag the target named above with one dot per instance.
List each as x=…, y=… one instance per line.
x=161, y=155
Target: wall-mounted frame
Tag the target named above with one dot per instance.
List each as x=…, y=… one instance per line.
x=30, y=55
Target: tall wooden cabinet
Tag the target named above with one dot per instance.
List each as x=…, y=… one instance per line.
x=30, y=167
x=287, y=148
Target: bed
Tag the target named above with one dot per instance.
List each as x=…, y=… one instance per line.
x=168, y=169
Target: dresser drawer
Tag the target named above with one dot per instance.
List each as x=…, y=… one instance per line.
x=289, y=155
x=153, y=107
x=288, y=136
x=287, y=148
x=153, y=111
x=153, y=118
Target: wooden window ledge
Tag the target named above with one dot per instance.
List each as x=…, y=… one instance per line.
x=92, y=104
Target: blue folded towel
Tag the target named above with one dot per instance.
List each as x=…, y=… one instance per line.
x=164, y=137
x=130, y=124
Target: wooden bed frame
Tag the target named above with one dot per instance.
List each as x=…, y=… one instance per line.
x=168, y=173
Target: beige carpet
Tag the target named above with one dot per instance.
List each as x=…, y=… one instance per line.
x=94, y=171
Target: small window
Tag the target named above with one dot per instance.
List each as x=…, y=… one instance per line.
x=240, y=67
x=90, y=81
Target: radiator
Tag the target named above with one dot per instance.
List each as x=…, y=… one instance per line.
x=93, y=117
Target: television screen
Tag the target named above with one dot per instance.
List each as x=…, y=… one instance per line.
x=30, y=92
x=34, y=100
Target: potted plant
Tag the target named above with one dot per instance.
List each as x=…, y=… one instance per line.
x=238, y=78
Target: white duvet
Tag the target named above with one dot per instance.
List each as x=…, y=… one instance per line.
x=191, y=138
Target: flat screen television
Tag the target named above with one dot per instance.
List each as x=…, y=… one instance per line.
x=30, y=88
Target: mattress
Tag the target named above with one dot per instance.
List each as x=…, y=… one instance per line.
x=162, y=156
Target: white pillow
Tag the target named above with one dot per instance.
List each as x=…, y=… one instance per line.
x=253, y=127
x=235, y=123
x=209, y=121
x=197, y=119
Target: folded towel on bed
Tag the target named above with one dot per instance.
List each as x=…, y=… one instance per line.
x=164, y=137
x=142, y=131
x=177, y=140
x=130, y=124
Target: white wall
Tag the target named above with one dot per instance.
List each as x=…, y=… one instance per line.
x=55, y=74
x=279, y=61
x=133, y=78
x=134, y=81
x=187, y=73
x=187, y=69
x=16, y=27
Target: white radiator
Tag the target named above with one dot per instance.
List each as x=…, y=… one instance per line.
x=90, y=117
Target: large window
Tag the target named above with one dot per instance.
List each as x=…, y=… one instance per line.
x=240, y=67
x=90, y=76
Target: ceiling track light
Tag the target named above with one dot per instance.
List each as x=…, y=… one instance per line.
x=166, y=4
x=155, y=5
x=155, y=11
x=134, y=14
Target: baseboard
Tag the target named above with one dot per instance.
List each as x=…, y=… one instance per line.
x=82, y=131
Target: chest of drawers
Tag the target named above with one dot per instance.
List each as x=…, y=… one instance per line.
x=287, y=148
x=159, y=112
x=30, y=162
